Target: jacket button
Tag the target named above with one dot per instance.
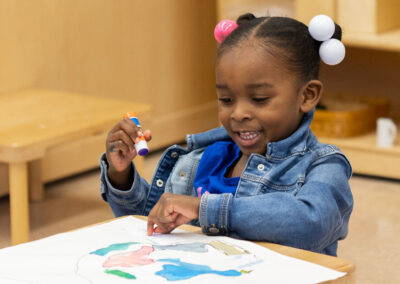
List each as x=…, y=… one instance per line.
x=159, y=183
x=260, y=167
x=174, y=155
x=214, y=230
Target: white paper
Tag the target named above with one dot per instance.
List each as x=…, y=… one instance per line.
x=121, y=252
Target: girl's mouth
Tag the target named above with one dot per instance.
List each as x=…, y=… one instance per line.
x=248, y=138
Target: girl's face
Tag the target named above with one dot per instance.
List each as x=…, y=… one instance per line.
x=259, y=100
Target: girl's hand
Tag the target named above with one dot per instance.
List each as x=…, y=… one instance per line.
x=120, y=148
x=171, y=211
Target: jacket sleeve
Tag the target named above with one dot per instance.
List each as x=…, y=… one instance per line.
x=124, y=202
x=314, y=218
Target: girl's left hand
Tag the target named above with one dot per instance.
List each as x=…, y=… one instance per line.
x=171, y=211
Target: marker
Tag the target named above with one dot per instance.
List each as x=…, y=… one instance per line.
x=141, y=146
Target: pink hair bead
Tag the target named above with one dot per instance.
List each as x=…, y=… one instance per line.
x=223, y=29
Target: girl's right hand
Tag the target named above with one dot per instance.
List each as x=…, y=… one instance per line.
x=120, y=145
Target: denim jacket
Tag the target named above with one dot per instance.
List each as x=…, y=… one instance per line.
x=296, y=194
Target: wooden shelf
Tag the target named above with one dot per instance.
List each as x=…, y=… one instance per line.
x=367, y=158
x=388, y=41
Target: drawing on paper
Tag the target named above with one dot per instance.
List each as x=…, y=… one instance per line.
x=172, y=262
x=121, y=252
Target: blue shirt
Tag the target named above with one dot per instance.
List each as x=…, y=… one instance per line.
x=216, y=160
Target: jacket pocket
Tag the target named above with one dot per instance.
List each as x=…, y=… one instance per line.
x=181, y=178
x=291, y=186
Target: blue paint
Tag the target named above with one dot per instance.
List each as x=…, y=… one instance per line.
x=191, y=247
x=120, y=246
x=184, y=270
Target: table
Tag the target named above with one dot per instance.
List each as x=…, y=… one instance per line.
x=33, y=120
x=338, y=264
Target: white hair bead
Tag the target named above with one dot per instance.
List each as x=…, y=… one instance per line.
x=321, y=27
x=332, y=51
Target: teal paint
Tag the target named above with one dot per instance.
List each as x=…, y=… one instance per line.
x=120, y=246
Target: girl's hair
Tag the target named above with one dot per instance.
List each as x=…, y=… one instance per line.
x=281, y=36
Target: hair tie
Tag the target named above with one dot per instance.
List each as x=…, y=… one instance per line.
x=322, y=28
x=223, y=29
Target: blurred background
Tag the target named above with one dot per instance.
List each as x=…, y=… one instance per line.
x=162, y=53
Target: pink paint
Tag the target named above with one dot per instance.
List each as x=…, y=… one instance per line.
x=135, y=258
x=223, y=29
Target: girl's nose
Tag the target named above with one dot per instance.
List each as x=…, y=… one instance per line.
x=240, y=112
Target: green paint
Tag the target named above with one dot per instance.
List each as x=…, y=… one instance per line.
x=245, y=271
x=120, y=274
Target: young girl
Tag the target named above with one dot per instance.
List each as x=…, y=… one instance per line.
x=263, y=175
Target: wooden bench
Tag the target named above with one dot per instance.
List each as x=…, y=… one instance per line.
x=34, y=120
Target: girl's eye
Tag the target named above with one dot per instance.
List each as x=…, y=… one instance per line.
x=260, y=100
x=225, y=100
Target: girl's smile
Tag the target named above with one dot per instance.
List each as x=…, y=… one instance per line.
x=248, y=138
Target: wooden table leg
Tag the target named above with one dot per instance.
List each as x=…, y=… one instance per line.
x=36, y=192
x=19, y=206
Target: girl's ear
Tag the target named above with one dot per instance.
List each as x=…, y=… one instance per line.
x=310, y=95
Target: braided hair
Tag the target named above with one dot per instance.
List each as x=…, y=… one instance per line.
x=283, y=37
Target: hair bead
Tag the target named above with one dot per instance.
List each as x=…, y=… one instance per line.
x=332, y=51
x=321, y=27
x=223, y=29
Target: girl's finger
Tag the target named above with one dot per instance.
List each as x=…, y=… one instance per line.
x=147, y=135
x=118, y=146
x=169, y=218
x=150, y=227
x=120, y=135
x=130, y=128
x=162, y=229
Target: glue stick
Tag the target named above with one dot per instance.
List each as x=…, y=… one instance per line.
x=141, y=146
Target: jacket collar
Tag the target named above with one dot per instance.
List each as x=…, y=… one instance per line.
x=294, y=144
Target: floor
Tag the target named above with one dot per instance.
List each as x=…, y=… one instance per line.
x=373, y=243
